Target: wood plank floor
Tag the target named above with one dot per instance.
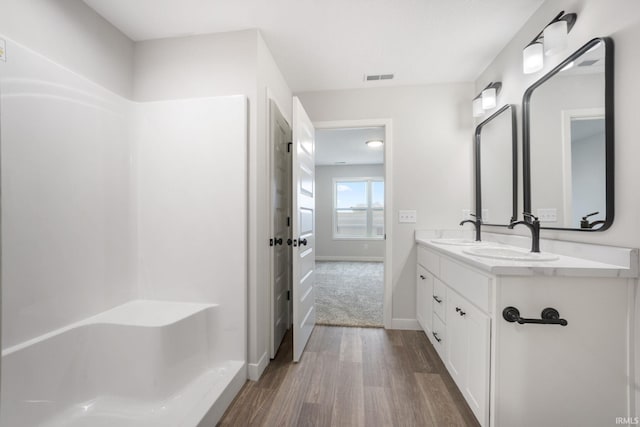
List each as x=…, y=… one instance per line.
x=353, y=377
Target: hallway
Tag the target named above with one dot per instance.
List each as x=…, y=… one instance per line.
x=353, y=377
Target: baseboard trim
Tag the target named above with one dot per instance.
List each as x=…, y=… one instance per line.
x=255, y=370
x=405, y=324
x=350, y=258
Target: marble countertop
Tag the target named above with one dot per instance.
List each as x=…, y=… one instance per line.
x=594, y=260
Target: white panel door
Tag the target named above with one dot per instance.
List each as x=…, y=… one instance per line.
x=303, y=228
x=280, y=210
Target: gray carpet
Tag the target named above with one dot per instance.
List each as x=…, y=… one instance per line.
x=349, y=293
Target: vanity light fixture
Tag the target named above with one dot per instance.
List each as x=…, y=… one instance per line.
x=550, y=41
x=487, y=99
x=477, y=107
x=532, y=58
x=374, y=143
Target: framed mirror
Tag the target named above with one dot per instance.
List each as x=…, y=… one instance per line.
x=496, y=166
x=568, y=142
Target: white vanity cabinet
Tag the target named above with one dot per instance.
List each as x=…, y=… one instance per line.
x=533, y=374
x=457, y=328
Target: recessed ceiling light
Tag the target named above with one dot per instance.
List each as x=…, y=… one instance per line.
x=374, y=143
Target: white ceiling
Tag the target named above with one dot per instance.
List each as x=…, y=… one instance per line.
x=348, y=145
x=331, y=44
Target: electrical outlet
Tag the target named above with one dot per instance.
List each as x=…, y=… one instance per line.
x=547, y=215
x=407, y=216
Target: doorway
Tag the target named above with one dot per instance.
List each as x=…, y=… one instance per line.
x=349, y=169
x=353, y=179
x=280, y=226
x=376, y=219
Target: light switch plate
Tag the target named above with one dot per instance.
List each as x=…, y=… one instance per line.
x=547, y=214
x=407, y=216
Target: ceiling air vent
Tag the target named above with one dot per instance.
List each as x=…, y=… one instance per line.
x=587, y=62
x=375, y=77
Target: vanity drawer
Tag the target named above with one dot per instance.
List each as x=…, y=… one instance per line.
x=438, y=336
x=429, y=260
x=472, y=285
x=439, y=300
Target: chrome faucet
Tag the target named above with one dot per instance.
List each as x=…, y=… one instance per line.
x=533, y=226
x=476, y=223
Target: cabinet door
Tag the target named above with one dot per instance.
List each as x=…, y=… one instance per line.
x=424, y=289
x=469, y=335
x=476, y=389
x=457, y=345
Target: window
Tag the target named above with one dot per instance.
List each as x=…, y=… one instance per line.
x=358, y=206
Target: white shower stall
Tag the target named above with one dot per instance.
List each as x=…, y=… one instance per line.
x=124, y=252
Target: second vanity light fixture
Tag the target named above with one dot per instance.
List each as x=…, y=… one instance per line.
x=550, y=41
x=487, y=99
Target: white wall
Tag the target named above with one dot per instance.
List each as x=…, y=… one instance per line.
x=72, y=34
x=67, y=220
x=619, y=19
x=432, y=161
x=227, y=64
x=339, y=249
x=192, y=208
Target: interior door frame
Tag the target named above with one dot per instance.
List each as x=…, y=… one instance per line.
x=388, y=204
x=270, y=353
x=567, y=185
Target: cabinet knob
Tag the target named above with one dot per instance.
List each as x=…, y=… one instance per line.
x=460, y=312
x=422, y=276
x=438, y=300
x=435, y=335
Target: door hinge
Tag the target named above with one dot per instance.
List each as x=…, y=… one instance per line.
x=288, y=295
x=288, y=221
x=289, y=147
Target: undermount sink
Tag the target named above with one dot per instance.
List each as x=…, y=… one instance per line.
x=457, y=242
x=510, y=254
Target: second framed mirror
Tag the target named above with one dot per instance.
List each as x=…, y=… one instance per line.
x=568, y=142
x=496, y=159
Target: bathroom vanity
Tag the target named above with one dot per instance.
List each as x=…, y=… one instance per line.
x=484, y=316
